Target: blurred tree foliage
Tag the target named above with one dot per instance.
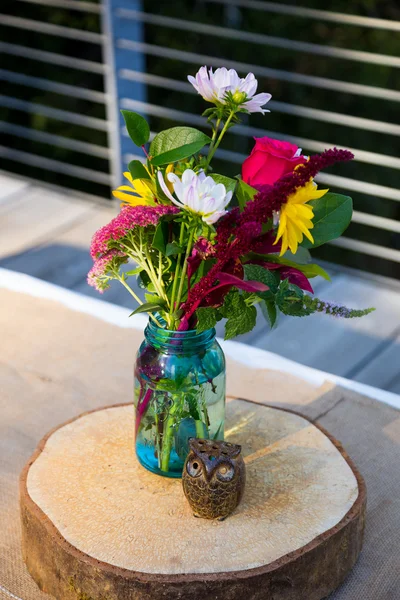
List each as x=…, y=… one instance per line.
x=212, y=44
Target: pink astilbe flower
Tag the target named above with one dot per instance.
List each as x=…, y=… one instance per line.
x=128, y=218
x=97, y=276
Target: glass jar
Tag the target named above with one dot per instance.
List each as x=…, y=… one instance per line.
x=179, y=393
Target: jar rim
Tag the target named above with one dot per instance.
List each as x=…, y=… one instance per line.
x=175, y=339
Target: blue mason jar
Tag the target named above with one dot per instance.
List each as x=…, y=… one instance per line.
x=179, y=393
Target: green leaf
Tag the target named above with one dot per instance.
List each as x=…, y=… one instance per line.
x=160, y=238
x=241, y=317
x=309, y=270
x=147, y=307
x=241, y=323
x=258, y=273
x=173, y=249
x=144, y=280
x=301, y=257
x=133, y=272
x=206, y=319
x=332, y=215
x=228, y=182
x=193, y=407
x=138, y=170
x=244, y=193
x=313, y=270
x=176, y=144
x=268, y=309
x=153, y=299
x=137, y=126
x=289, y=300
x=216, y=436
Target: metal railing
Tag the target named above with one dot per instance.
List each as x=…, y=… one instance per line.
x=128, y=52
x=77, y=144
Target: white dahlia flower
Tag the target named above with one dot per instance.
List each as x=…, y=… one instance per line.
x=198, y=194
x=224, y=86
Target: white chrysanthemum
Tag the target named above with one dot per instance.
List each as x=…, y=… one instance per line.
x=214, y=87
x=198, y=193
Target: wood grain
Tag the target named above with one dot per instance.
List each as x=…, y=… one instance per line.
x=96, y=526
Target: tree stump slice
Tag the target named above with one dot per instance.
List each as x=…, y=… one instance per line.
x=97, y=526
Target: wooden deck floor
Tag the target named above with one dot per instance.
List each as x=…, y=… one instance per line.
x=46, y=234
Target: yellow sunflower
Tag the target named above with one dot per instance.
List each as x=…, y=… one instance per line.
x=295, y=219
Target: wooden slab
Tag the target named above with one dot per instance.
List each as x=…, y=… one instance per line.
x=96, y=525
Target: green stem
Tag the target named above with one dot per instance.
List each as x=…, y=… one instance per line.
x=199, y=429
x=184, y=268
x=154, y=279
x=214, y=146
x=176, y=276
x=159, y=267
x=147, y=266
x=168, y=436
x=214, y=135
x=138, y=300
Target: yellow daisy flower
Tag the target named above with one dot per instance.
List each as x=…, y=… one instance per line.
x=140, y=191
x=296, y=216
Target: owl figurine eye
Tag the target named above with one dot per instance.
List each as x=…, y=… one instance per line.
x=225, y=472
x=193, y=468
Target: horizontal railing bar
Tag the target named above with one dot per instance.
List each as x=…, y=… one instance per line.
x=376, y=221
x=311, y=13
x=367, y=248
x=336, y=118
x=173, y=114
x=55, y=140
x=318, y=82
x=54, y=165
x=53, y=58
x=53, y=113
x=354, y=185
x=53, y=86
x=50, y=29
x=259, y=38
x=282, y=107
x=80, y=5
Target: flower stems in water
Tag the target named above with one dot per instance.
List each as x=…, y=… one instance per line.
x=184, y=268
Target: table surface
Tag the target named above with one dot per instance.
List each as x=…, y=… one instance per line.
x=63, y=354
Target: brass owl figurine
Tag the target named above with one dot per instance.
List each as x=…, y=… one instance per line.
x=213, y=478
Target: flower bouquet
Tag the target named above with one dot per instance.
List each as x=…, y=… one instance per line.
x=206, y=247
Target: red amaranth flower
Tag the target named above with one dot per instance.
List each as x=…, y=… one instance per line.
x=202, y=250
x=128, y=218
x=237, y=235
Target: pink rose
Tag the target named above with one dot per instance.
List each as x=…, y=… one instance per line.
x=269, y=160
